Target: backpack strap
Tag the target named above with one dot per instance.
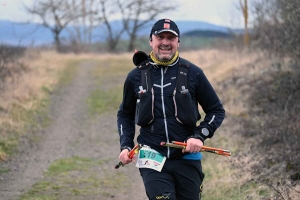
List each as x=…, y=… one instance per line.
x=146, y=77
x=140, y=59
x=182, y=76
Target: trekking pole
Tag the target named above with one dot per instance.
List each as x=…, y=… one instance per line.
x=130, y=155
x=182, y=145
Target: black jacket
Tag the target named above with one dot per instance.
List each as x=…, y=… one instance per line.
x=165, y=127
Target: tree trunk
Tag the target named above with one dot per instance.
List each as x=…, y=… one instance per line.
x=57, y=40
x=132, y=42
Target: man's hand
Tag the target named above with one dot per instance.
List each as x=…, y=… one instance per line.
x=124, y=158
x=193, y=145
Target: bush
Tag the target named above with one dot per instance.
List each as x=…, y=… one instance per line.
x=276, y=27
x=9, y=62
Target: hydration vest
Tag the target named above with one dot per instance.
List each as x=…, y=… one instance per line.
x=186, y=109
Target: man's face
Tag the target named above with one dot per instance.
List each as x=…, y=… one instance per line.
x=164, y=46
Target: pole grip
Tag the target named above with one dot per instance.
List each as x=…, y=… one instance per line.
x=130, y=155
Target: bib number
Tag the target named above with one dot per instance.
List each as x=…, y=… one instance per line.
x=149, y=158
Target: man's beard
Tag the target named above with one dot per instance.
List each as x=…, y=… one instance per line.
x=164, y=58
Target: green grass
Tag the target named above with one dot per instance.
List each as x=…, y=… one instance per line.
x=69, y=72
x=8, y=145
x=4, y=170
x=38, y=197
x=110, y=77
x=235, y=192
x=69, y=164
x=100, y=101
x=76, y=176
x=37, y=189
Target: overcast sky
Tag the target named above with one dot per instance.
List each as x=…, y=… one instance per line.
x=219, y=12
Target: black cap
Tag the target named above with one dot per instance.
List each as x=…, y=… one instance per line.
x=165, y=25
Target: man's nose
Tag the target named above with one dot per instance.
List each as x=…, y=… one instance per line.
x=166, y=41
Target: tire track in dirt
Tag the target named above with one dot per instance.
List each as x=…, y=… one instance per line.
x=71, y=133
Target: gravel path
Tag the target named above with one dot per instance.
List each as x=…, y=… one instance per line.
x=72, y=132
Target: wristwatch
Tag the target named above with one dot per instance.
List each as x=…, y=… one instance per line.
x=205, y=131
x=196, y=136
x=125, y=147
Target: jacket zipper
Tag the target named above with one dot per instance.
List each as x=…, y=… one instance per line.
x=164, y=112
x=146, y=81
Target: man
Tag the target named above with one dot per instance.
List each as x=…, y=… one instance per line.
x=162, y=96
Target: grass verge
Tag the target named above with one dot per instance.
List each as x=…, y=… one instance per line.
x=77, y=176
x=110, y=76
x=26, y=106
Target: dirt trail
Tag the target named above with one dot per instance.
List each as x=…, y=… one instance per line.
x=72, y=132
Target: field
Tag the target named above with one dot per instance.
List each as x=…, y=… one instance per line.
x=59, y=137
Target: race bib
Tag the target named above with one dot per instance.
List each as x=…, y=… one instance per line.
x=149, y=158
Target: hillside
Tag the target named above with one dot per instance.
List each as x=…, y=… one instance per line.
x=36, y=34
x=207, y=34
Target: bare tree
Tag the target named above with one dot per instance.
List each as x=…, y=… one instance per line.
x=244, y=8
x=81, y=28
x=85, y=23
x=91, y=18
x=107, y=9
x=85, y=15
x=55, y=15
x=134, y=15
x=137, y=13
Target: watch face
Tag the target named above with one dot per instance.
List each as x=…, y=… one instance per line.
x=205, y=131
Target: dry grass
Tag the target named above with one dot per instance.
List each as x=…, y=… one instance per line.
x=24, y=94
x=227, y=71
x=220, y=173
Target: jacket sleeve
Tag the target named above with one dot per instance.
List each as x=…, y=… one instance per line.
x=211, y=105
x=126, y=114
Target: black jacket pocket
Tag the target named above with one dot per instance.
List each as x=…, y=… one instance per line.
x=144, y=109
x=186, y=111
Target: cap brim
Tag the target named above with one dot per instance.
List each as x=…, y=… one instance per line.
x=165, y=30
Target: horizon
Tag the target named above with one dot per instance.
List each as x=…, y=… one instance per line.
x=216, y=12
x=15, y=33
